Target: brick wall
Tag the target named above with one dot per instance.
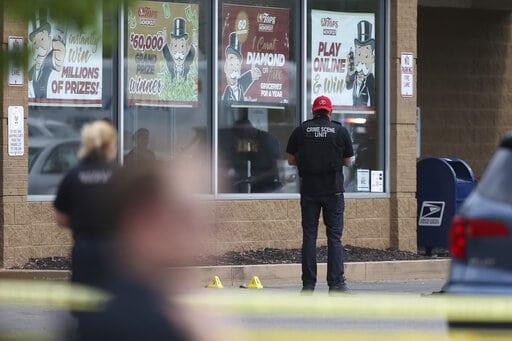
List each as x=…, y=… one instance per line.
x=15, y=234
x=239, y=226
x=249, y=225
x=465, y=83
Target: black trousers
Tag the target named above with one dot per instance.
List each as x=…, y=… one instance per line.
x=332, y=207
x=90, y=262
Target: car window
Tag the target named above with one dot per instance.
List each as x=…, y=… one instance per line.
x=33, y=131
x=61, y=159
x=33, y=154
x=496, y=183
x=61, y=131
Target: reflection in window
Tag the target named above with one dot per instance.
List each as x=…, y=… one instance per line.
x=61, y=159
x=259, y=66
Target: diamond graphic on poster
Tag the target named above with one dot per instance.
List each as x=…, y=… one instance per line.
x=255, y=54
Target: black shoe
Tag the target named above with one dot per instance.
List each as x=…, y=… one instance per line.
x=338, y=289
x=307, y=290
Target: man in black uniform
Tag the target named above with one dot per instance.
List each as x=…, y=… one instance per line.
x=320, y=148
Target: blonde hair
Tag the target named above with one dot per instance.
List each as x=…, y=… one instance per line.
x=98, y=137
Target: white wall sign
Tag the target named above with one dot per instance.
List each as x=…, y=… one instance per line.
x=407, y=74
x=16, y=131
x=15, y=72
x=377, y=183
x=363, y=180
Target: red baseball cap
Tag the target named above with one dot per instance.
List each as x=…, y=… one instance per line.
x=322, y=102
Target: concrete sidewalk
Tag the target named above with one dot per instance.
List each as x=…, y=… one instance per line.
x=282, y=274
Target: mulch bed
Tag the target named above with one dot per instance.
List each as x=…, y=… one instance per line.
x=262, y=256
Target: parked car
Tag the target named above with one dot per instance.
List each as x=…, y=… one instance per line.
x=39, y=128
x=49, y=160
x=481, y=235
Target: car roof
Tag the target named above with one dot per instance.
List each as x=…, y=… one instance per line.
x=39, y=142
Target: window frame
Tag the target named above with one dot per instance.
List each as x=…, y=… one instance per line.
x=303, y=105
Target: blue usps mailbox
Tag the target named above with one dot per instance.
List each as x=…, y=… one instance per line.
x=442, y=186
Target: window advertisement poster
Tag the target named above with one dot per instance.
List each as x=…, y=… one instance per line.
x=65, y=64
x=255, y=52
x=162, y=52
x=343, y=60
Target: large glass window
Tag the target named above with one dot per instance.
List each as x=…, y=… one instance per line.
x=167, y=87
x=167, y=82
x=346, y=62
x=72, y=80
x=259, y=90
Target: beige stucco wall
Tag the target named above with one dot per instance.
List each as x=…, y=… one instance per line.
x=28, y=230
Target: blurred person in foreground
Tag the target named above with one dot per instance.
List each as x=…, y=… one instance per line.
x=320, y=148
x=158, y=226
x=83, y=203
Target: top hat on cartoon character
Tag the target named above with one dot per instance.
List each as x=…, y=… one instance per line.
x=234, y=46
x=364, y=34
x=179, y=29
x=39, y=22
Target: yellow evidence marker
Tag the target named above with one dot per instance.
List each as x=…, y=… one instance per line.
x=215, y=283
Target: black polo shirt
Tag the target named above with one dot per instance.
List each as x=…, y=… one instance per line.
x=327, y=183
x=85, y=196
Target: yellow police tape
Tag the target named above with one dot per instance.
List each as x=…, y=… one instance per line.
x=62, y=295
x=59, y=295
x=317, y=335
x=452, y=308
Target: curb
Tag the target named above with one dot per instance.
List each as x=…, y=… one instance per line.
x=290, y=274
x=279, y=274
x=38, y=275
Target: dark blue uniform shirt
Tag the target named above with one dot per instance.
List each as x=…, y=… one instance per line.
x=328, y=182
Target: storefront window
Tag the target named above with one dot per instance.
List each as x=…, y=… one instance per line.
x=346, y=61
x=258, y=104
x=167, y=82
x=71, y=82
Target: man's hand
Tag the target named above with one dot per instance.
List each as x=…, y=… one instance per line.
x=348, y=161
x=256, y=73
x=59, y=53
x=61, y=219
x=292, y=161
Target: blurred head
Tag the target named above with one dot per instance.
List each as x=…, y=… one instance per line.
x=142, y=138
x=157, y=220
x=322, y=106
x=99, y=139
